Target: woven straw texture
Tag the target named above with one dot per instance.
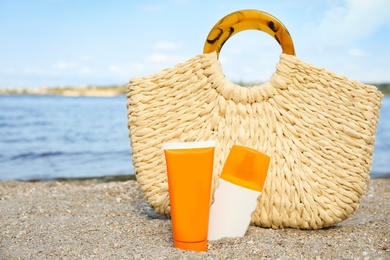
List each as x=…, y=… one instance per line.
x=317, y=127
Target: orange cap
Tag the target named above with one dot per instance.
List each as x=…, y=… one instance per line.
x=246, y=167
x=200, y=246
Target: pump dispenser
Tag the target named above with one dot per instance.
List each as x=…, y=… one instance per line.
x=240, y=184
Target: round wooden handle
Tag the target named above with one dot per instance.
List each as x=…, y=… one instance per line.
x=246, y=20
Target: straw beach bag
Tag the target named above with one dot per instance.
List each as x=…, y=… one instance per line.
x=317, y=127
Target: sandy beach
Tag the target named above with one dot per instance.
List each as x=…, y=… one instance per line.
x=95, y=220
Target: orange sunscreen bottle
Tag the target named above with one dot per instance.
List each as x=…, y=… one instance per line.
x=240, y=184
x=190, y=170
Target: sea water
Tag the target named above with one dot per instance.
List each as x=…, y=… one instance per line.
x=48, y=137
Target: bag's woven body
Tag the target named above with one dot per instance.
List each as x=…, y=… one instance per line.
x=317, y=127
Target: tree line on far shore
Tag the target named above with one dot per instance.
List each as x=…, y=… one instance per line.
x=384, y=88
x=120, y=89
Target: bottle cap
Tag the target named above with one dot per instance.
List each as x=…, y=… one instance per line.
x=246, y=167
x=200, y=246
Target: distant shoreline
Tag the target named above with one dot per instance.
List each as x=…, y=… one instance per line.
x=90, y=91
x=113, y=90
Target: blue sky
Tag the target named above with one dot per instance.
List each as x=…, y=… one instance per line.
x=47, y=43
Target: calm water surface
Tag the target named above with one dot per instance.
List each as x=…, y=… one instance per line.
x=44, y=137
x=47, y=137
